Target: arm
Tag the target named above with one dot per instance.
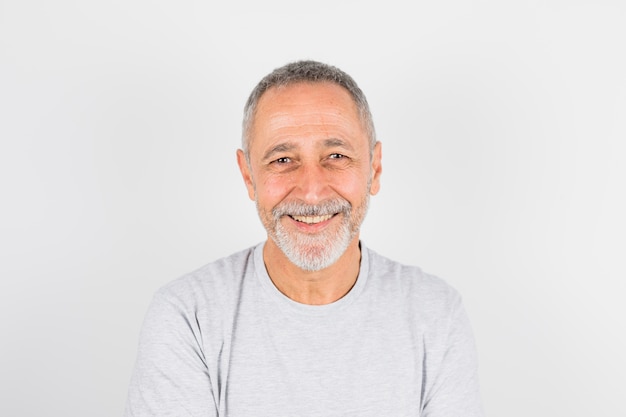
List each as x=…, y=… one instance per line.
x=170, y=377
x=452, y=383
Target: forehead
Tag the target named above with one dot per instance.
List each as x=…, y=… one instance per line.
x=308, y=110
x=298, y=90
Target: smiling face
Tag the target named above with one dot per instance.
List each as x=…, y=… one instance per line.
x=310, y=171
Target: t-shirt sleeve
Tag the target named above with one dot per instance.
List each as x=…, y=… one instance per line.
x=170, y=376
x=454, y=389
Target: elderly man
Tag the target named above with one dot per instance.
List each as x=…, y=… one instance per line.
x=310, y=322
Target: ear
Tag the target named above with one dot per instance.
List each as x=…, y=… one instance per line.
x=244, y=168
x=377, y=168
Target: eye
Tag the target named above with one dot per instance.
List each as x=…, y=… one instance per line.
x=283, y=160
x=336, y=156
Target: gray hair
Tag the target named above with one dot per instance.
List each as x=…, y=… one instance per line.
x=306, y=72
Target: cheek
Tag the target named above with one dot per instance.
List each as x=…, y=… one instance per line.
x=352, y=188
x=272, y=190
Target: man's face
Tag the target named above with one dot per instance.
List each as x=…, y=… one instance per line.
x=310, y=171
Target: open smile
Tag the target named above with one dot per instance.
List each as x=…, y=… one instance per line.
x=312, y=219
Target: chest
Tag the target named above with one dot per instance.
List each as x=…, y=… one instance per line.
x=339, y=365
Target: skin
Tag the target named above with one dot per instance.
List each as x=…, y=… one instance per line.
x=309, y=145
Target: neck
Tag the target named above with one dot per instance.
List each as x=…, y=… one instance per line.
x=313, y=287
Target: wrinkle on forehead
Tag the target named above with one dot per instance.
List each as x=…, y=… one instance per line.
x=312, y=112
x=312, y=120
x=321, y=98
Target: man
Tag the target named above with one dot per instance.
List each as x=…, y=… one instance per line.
x=310, y=322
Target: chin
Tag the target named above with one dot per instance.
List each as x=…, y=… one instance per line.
x=313, y=253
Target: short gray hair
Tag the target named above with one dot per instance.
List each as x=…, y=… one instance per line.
x=306, y=72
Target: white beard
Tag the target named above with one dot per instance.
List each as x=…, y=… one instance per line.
x=314, y=252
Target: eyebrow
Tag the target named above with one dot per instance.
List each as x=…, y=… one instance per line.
x=337, y=143
x=290, y=146
x=281, y=147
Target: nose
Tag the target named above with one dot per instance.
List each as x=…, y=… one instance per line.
x=313, y=183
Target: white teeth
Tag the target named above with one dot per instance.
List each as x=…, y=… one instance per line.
x=312, y=219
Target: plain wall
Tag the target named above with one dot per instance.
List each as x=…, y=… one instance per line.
x=503, y=130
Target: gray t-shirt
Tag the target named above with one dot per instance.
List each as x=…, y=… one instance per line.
x=223, y=341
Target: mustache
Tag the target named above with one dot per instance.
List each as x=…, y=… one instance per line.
x=297, y=208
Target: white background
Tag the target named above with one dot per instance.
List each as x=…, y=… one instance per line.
x=503, y=128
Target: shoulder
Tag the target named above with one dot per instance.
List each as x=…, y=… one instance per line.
x=215, y=283
x=421, y=290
